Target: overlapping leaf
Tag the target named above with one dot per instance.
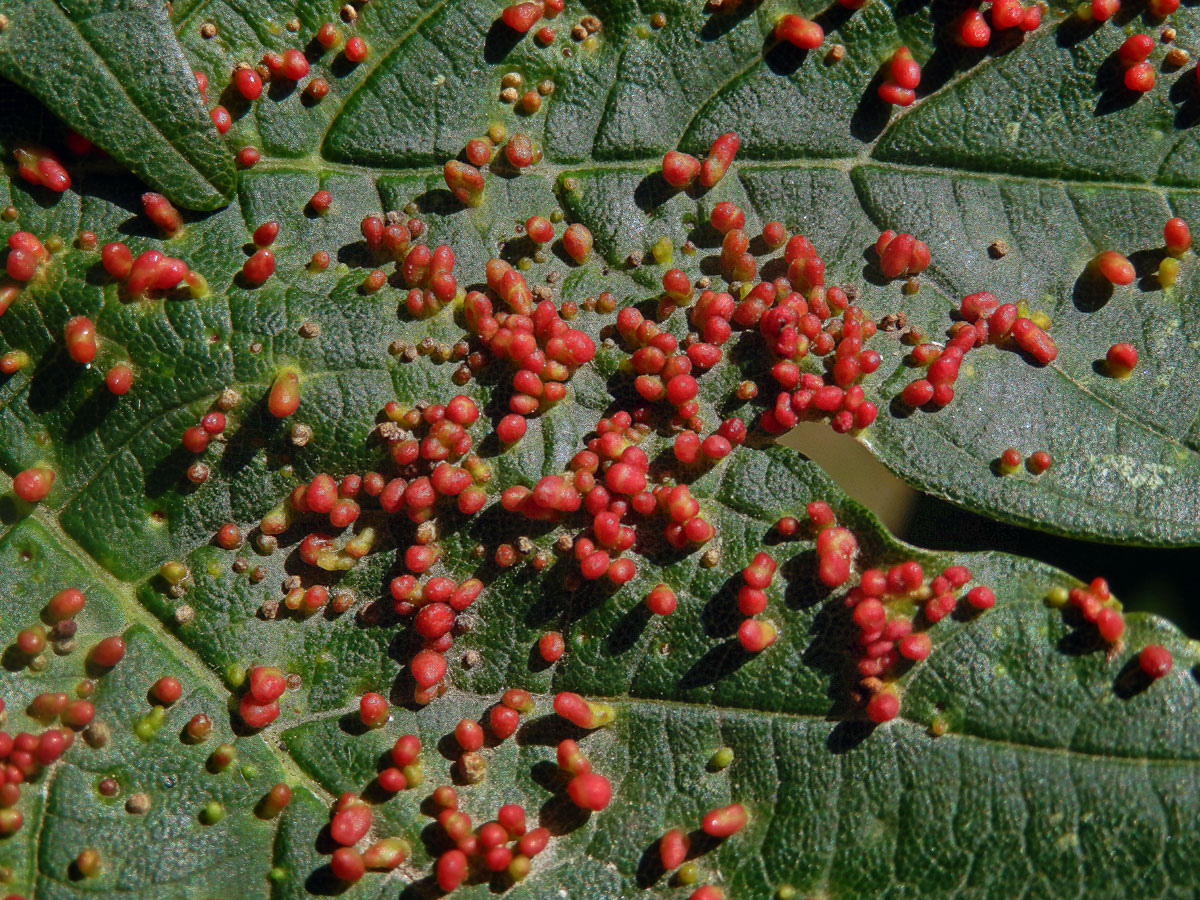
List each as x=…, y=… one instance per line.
x=1032, y=143
x=112, y=71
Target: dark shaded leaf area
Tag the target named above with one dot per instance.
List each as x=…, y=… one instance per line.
x=413, y=523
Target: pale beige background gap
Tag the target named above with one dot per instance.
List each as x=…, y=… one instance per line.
x=857, y=472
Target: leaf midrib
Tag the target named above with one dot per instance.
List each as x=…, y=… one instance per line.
x=462, y=697
x=551, y=169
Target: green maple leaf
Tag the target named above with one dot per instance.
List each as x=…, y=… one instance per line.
x=1056, y=769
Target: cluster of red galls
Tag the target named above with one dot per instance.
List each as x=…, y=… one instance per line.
x=901, y=74
x=661, y=372
x=797, y=327
x=984, y=320
x=41, y=166
x=429, y=474
x=609, y=481
x=428, y=274
x=796, y=315
x=755, y=635
x=287, y=68
x=259, y=705
x=151, y=269
x=465, y=178
x=543, y=346
x=972, y=29
x=1116, y=268
x=503, y=845
x=196, y=439
x=434, y=606
x=349, y=824
x=26, y=254
x=1096, y=605
x=24, y=755
x=521, y=17
x=884, y=605
x=679, y=170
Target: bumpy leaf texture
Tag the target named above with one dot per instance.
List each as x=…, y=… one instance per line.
x=1030, y=756
x=111, y=70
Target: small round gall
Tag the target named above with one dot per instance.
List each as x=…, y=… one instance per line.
x=1114, y=267
x=1121, y=360
x=725, y=821
x=1177, y=236
x=32, y=485
x=373, y=709
x=356, y=49
x=551, y=646
x=1139, y=78
x=883, y=707
x=1154, y=660
x=590, y=791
